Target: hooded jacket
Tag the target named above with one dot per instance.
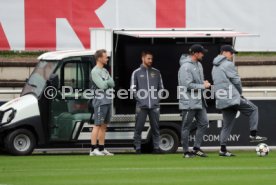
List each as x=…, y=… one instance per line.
x=227, y=83
x=191, y=84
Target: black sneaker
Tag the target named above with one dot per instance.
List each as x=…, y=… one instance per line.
x=189, y=155
x=226, y=154
x=138, y=151
x=255, y=139
x=200, y=153
x=157, y=151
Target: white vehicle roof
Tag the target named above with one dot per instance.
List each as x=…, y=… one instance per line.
x=59, y=55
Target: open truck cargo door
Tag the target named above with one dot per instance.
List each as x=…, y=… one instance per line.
x=103, y=38
x=184, y=33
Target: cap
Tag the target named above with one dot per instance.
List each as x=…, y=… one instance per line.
x=228, y=48
x=197, y=48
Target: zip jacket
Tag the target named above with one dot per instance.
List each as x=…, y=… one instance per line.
x=146, y=80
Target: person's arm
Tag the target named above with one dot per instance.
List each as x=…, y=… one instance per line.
x=160, y=83
x=186, y=79
x=110, y=82
x=233, y=76
x=134, y=84
x=97, y=79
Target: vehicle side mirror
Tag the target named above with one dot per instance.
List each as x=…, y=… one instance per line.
x=53, y=81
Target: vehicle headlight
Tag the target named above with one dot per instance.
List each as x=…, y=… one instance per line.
x=7, y=116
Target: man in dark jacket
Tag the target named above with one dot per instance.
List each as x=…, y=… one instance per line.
x=146, y=82
x=191, y=100
x=228, y=91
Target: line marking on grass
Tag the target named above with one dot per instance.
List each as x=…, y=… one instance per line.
x=201, y=168
x=158, y=168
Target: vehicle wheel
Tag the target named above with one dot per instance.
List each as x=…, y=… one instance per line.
x=169, y=141
x=20, y=142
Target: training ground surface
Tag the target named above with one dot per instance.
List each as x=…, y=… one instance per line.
x=245, y=169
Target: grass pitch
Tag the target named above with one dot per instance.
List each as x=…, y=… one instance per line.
x=131, y=169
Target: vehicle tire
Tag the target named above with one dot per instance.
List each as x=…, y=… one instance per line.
x=20, y=142
x=169, y=141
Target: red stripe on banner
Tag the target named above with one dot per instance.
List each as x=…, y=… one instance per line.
x=170, y=13
x=40, y=20
x=4, y=43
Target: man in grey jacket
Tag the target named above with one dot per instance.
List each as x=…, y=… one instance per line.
x=228, y=92
x=191, y=100
x=146, y=82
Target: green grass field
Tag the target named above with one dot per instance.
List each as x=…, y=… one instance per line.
x=245, y=169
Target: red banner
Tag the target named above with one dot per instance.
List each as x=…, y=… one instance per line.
x=58, y=24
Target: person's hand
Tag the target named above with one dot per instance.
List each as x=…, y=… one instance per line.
x=207, y=84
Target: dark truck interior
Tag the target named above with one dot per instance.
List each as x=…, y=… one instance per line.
x=167, y=52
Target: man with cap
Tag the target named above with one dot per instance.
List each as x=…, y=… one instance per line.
x=228, y=93
x=191, y=101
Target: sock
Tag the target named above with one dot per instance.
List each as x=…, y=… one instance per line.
x=196, y=148
x=93, y=147
x=253, y=133
x=101, y=147
x=223, y=148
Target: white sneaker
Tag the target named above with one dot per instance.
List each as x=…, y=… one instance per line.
x=96, y=152
x=105, y=152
